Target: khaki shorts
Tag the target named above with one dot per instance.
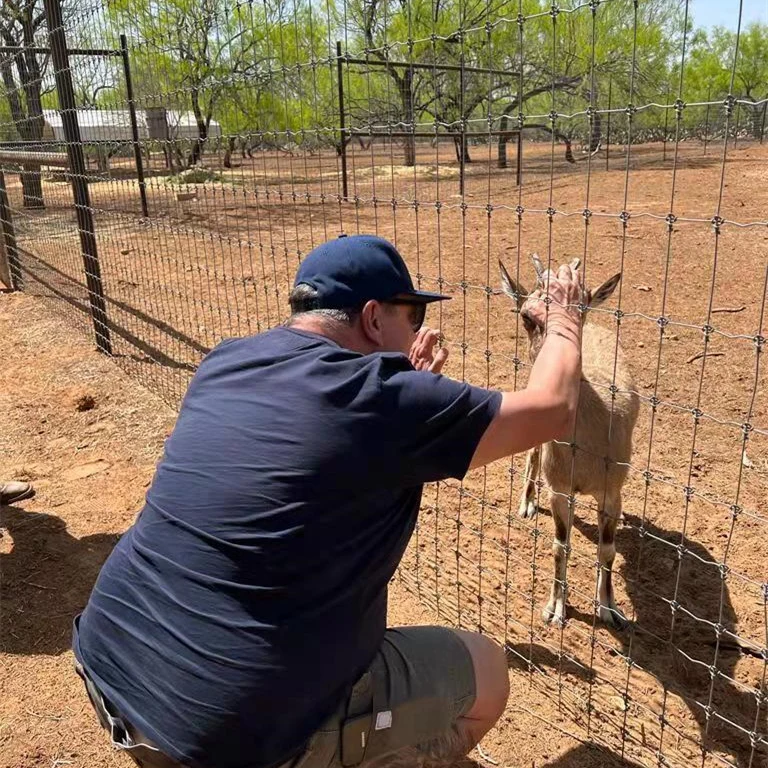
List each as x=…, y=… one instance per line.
x=420, y=682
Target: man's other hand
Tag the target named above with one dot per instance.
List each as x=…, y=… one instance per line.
x=423, y=356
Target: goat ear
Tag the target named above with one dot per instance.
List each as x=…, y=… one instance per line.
x=515, y=291
x=600, y=294
x=539, y=267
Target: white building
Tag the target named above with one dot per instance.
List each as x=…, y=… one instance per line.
x=115, y=125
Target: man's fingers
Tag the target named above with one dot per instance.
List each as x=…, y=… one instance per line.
x=426, y=342
x=440, y=357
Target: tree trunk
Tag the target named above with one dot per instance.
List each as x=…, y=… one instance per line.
x=462, y=147
x=504, y=137
x=227, y=162
x=405, y=87
x=32, y=187
x=202, y=130
x=197, y=146
x=29, y=124
x=596, y=134
x=756, y=119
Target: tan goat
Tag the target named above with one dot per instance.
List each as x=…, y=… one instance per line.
x=603, y=436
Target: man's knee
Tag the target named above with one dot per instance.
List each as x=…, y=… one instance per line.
x=491, y=676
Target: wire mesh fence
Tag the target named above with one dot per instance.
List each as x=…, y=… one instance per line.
x=166, y=166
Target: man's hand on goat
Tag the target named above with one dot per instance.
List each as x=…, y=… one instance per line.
x=423, y=355
x=565, y=293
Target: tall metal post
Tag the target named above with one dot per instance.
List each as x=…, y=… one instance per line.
x=77, y=170
x=9, y=238
x=342, y=129
x=463, y=140
x=134, y=126
x=519, y=166
x=608, y=128
x=666, y=124
x=706, y=120
x=762, y=127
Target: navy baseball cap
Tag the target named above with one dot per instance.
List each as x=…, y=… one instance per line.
x=352, y=269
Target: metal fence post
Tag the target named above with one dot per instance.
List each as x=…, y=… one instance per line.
x=762, y=127
x=9, y=241
x=342, y=130
x=706, y=120
x=666, y=123
x=68, y=108
x=134, y=126
x=608, y=129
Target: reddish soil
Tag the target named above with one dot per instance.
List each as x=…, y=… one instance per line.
x=219, y=265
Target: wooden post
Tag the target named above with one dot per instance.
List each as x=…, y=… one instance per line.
x=10, y=270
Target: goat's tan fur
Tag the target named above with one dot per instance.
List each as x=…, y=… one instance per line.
x=603, y=436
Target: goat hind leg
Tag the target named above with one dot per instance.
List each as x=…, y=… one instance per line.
x=528, y=499
x=608, y=519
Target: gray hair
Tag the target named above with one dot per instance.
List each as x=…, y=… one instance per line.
x=303, y=300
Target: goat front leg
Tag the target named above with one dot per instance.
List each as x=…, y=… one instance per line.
x=528, y=498
x=554, y=612
x=608, y=520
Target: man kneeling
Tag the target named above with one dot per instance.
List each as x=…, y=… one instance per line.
x=241, y=621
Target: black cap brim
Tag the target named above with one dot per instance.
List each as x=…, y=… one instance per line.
x=426, y=297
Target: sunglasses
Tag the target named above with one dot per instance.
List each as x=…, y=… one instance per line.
x=417, y=311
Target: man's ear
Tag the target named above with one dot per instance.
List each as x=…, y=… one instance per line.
x=371, y=322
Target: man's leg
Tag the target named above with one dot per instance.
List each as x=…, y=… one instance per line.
x=491, y=694
x=443, y=690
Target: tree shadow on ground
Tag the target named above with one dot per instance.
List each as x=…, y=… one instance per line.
x=47, y=576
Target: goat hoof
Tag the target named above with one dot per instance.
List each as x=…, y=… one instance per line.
x=527, y=509
x=554, y=613
x=613, y=617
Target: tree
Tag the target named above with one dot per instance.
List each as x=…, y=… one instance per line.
x=21, y=22
x=708, y=73
x=198, y=50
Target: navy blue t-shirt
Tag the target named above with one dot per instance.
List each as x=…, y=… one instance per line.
x=230, y=621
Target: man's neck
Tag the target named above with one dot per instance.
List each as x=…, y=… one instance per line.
x=344, y=335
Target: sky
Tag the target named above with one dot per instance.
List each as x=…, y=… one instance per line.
x=725, y=13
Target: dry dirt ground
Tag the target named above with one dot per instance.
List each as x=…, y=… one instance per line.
x=88, y=438
x=687, y=683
